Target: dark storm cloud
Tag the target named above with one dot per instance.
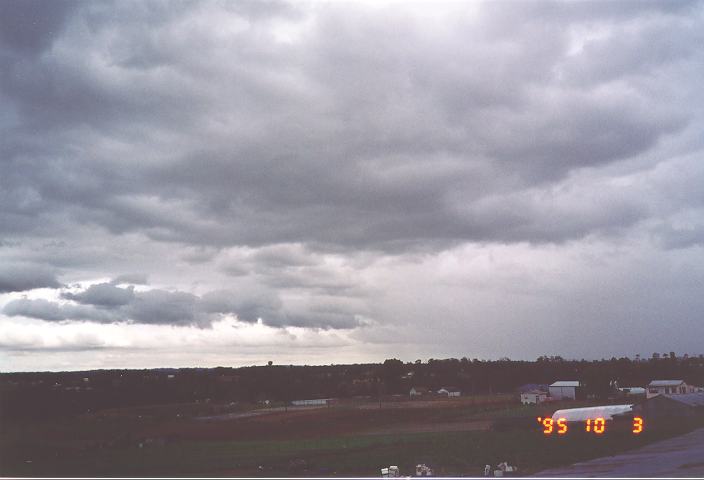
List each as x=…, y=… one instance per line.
x=29, y=26
x=106, y=303
x=253, y=150
x=22, y=277
x=163, y=307
x=54, y=312
x=261, y=304
x=102, y=295
x=286, y=266
x=348, y=138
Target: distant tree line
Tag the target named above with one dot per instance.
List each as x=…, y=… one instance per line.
x=47, y=394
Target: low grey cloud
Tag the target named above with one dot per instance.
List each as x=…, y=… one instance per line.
x=131, y=278
x=106, y=303
x=249, y=307
x=22, y=277
x=103, y=295
x=293, y=266
x=163, y=307
x=29, y=26
x=54, y=312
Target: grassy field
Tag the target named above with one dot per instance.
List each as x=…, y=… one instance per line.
x=310, y=443
x=451, y=453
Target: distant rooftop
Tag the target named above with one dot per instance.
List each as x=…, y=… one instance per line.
x=634, y=390
x=691, y=399
x=665, y=383
x=566, y=383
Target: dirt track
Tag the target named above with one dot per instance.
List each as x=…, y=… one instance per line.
x=466, y=426
x=318, y=422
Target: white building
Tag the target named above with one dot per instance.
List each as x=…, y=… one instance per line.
x=632, y=391
x=450, y=391
x=391, y=472
x=669, y=387
x=418, y=391
x=533, y=397
x=564, y=389
x=316, y=401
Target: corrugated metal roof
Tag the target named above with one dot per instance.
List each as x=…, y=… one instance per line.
x=565, y=383
x=692, y=399
x=581, y=414
x=665, y=383
x=633, y=390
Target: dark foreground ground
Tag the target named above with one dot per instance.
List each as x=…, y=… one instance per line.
x=682, y=456
x=456, y=438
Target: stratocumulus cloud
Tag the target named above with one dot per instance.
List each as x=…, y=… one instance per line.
x=106, y=303
x=373, y=169
x=21, y=277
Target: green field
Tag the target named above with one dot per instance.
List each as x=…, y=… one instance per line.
x=450, y=453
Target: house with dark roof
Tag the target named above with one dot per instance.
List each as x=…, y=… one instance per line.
x=533, y=397
x=531, y=387
x=669, y=387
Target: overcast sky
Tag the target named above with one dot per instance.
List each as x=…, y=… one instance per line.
x=227, y=183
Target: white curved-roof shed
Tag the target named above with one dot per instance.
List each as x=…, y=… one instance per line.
x=565, y=383
x=582, y=414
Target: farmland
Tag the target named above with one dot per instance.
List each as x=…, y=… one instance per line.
x=240, y=421
x=454, y=436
